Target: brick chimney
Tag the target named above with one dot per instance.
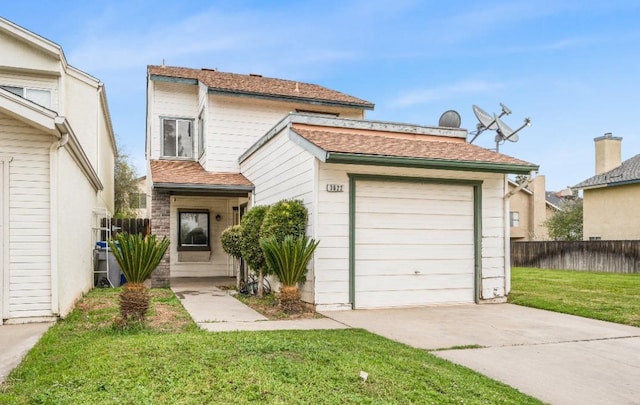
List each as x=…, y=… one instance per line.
x=608, y=152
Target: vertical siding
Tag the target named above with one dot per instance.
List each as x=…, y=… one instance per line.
x=282, y=170
x=331, y=261
x=29, y=226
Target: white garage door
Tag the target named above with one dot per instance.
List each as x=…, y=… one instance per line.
x=414, y=244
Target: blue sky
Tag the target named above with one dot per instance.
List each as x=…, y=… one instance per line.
x=572, y=66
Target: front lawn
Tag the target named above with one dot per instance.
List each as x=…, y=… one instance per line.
x=605, y=296
x=85, y=359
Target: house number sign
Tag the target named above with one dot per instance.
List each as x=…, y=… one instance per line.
x=334, y=188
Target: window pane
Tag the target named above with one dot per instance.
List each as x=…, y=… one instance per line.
x=41, y=97
x=185, y=144
x=169, y=134
x=200, y=136
x=18, y=91
x=194, y=229
x=142, y=202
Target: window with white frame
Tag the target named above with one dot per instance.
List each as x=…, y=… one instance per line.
x=177, y=138
x=39, y=96
x=514, y=219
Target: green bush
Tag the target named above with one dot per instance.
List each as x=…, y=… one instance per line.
x=230, y=240
x=250, y=237
x=286, y=217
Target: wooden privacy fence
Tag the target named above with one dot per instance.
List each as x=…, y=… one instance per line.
x=129, y=225
x=613, y=256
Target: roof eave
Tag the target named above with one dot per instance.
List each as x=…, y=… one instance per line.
x=425, y=163
x=314, y=101
x=604, y=185
x=208, y=187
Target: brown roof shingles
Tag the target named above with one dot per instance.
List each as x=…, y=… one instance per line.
x=192, y=173
x=380, y=145
x=258, y=85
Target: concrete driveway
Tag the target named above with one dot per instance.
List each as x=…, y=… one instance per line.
x=558, y=358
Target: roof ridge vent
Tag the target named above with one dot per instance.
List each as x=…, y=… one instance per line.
x=210, y=69
x=255, y=75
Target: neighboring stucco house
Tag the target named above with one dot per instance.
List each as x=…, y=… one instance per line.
x=56, y=176
x=405, y=214
x=611, y=196
x=529, y=209
x=140, y=202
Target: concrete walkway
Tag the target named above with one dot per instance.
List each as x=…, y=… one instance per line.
x=558, y=358
x=215, y=310
x=16, y=341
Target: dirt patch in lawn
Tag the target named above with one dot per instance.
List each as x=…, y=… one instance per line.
x=268, y=306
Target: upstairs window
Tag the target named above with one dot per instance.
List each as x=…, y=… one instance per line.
x=177, y=138
x=514, y=219
x=38, y=96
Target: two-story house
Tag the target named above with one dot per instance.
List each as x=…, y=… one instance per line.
x=405, y=214
x=56, y=176
x=529, y=209
x=611, y=196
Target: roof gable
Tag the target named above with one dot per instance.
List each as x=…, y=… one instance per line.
x=258, y=86
x=627, y=173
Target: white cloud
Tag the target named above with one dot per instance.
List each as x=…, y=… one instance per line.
x=424, y=96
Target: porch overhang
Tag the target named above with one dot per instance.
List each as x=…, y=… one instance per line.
x=217, y=190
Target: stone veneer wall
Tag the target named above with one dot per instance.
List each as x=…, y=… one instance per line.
x=161, y=226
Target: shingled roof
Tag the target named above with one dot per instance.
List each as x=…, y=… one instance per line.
x=191, y=175
x=379, y=144
x=627, y=173
x=256, y=85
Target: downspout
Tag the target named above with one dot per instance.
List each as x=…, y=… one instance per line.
x=53, y=204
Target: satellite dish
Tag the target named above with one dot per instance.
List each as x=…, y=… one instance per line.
x=505, y=132
x=450, y=119
x=486, y=121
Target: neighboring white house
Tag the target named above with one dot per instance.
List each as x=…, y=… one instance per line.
x=56, y=176
x=406, y=215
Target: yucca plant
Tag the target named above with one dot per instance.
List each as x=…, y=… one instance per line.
x=288, y=260
x=138, y=257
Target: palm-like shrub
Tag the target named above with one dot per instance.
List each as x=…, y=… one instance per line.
x=288, y=260
x=138, y=257
x=250, y=242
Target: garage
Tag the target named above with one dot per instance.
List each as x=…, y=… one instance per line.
x=414, y=243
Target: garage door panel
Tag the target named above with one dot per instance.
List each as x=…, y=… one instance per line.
x=414, y=244
x=388, y=299
x=413, y=252
x=414, y=282
x=415, y=235
x=408, y=266
x=390, y=206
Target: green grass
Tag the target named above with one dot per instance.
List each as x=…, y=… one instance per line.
x=84, y=359
x=605, y=296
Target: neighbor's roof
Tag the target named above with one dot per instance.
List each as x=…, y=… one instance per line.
x=350, y=145
x=257, y=85
x=627, y=173
x=191, y=175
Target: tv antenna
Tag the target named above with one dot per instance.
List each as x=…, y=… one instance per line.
x=494, y=123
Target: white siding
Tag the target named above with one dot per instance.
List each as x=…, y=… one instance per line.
x=29, y=288
x=235, y=123
x=282, y=170
x=331, y=261
x=170, y=100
